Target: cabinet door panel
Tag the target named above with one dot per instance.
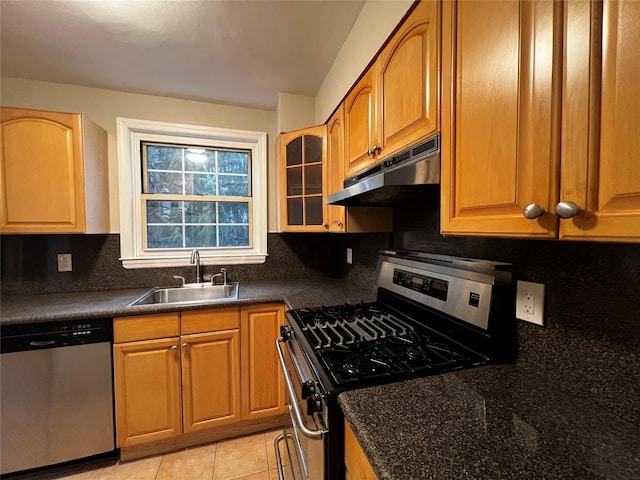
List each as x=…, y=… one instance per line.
x=210, y=378
x=600, y=166
x=335, y=168
x=409, y=80
x=40, y=159
x=262, y=382
x=360, y=113
x=500, y=151
x=147, y=391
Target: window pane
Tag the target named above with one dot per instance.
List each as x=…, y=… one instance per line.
x=200, y=236
x=234, y=236
x=200, y=184
x=200, y=160
x=312, y=149
x=164, y=236
x=200, y=212
x=233, y=185
x=294, y=181
x=163, y=182
x=233, y=162
x=161, y=157
x=234, y=212
x=313, y=211
x=164, y=212
x=313, y=179
x=294, y=152
x=294, y=211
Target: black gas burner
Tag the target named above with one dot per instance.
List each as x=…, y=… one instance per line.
x=338, y=313
x=402, y=353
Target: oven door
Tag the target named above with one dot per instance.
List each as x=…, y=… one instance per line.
x=305, y=434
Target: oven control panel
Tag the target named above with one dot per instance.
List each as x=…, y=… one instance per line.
x=424, y=284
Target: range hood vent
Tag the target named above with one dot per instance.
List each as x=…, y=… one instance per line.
x=393, y=178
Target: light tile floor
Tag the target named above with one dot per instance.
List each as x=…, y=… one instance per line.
x=245, y=458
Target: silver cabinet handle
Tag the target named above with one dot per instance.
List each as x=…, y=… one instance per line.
x=293, y=402
x=174, y=348
x=185, y=345
x=339, y=224
x=533, y=211
x=567, y=209
x=325, y=225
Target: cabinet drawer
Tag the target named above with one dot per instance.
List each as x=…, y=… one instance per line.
x=146, y=327
x=200, y=321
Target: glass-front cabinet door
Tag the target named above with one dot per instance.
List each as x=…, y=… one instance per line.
x=302, y=157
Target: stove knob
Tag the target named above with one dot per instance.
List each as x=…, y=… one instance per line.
x=308, y=388
x=314, y=404
x=286, y=331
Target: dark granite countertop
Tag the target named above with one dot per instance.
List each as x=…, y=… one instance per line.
x=496, y=422
x=115, y=303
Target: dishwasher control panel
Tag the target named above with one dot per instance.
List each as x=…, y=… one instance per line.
x=65, y=333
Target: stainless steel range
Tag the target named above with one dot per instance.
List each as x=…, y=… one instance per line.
x=433, y=314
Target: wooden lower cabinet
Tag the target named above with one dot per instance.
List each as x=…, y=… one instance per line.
x=262, y=381
x=218, y=372
x=210, y=379
x=147, y=391
x=356, y=465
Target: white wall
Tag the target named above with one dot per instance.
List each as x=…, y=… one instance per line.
x=294, y=112
x=373, y=26
x=103, y=106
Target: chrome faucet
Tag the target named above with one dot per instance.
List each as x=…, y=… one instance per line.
x=223, y=274
x=195, y=260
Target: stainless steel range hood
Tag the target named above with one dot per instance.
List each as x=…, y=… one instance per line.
x=393, y=178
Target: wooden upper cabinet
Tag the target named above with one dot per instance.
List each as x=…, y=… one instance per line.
x=395, y=103
x=409, y=82
x=601, y=144
x=302, y=167
x=542, y=115
x=335, y=168
x=500, y=116
x=53, y=173
x=361, y=123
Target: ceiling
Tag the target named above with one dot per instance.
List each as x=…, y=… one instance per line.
x=235, y=52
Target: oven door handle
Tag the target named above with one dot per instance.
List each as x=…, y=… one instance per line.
x=298, y=416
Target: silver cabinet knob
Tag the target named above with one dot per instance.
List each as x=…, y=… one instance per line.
x=374, y=150
x=325, y=225
x=533, y=211
x=567, y=209
x=339, y=224
x=185, y=345
x=174, y=348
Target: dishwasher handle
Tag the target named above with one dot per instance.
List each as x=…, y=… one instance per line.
x=42, y=343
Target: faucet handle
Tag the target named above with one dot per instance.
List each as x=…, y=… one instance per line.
x=179, y=277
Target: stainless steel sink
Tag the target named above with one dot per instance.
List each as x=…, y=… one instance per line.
x=190, y=293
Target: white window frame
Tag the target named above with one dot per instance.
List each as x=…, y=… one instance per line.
x=131, y=133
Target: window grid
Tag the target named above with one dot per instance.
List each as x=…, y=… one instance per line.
x=182, y=199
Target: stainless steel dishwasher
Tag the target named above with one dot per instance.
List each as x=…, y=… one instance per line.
x=56, y=397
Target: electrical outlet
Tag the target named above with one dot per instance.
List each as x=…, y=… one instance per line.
x=64, y=262
x=530, y=302
x=349, y=256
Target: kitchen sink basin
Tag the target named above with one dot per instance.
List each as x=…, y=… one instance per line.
x=190, y=293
